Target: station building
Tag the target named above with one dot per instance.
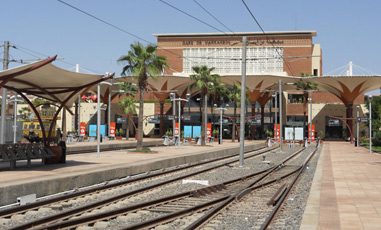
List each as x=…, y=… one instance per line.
x=287, y=53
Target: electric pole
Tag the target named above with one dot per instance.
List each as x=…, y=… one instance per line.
x=243, y=103
x=4, y=93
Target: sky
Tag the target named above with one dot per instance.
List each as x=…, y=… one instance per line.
x=347, y=30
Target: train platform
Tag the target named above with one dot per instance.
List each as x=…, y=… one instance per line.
x=85, y=169
x=346, y=189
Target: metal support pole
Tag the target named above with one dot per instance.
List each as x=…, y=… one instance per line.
x=98, y=121
x=109, y=112
x=174, y=114
x=358, y=125
x=221, y=127
x=311, y=118
x=4, y=93
x=370, y=123
x=276, y=116
x=15, y=121
x=178, y=143
x=79, y=105
x=206, y=117
x=243, y=99
x=280, y=116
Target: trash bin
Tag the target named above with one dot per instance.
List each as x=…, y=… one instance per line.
x=63, y=156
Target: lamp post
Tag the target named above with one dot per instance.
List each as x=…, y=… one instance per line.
x=358, y=125
x=276, y=116
x=370, y=123
x=221, y=110
x=99, y=116
x=15, y=99
x=311, y=118
x=173, y=98
x=280, y=116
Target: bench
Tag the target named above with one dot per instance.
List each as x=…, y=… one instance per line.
x=24, y=151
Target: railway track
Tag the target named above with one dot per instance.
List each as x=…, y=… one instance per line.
x=160, y=210
x=64, y=205
x=255, y=206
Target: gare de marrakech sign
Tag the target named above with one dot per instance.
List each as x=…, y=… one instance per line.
x=227, y=42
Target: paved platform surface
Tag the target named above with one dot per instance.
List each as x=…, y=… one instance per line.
x=86, y=168
x=346, y=190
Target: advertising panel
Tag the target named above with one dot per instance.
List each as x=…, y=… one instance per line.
x=112, y=129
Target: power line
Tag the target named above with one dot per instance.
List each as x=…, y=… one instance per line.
x=213, y=16
x=103, y=21
x=115, y=27
x=197, y=19
x=30, y=52
x=252, y=15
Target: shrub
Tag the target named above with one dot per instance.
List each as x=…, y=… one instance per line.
x=376, y=141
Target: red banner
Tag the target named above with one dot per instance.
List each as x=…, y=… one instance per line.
x=277, y=132
x=176, y=129
x=209, y=130
x=313, y=133
x=82, y=129
x=112, y=129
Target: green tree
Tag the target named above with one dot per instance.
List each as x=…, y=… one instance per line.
x=129, y=107
x=376, y=114
x=25, y=111
x=305, y=87
x=142, y=62
x=202, y=80
x=218, y=92
x=235, y=96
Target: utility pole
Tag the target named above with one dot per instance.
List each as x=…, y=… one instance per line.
x=4, y=93
x=243, y=99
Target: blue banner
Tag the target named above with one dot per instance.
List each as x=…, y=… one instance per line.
x=92, y=130
x=196, y=131
x=187, y=131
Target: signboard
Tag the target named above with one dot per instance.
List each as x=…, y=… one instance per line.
x=277, y=132
x=176, y=129
x=187, y=131
x=362, y=119
x=209, y=130
x=313, y=132
x=112, y=129
x=82, y=129
x=187, y=117
x=92, y=130
x=196, y=131
x=289, y=133
x=171, y=117
x=120, y=120
x=299, y=134
x=103, y=130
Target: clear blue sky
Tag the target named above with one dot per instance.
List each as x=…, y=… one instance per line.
x=347, y=30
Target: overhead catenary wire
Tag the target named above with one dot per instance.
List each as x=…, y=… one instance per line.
x=213, y=16
x=264, y=33
x=189, y=15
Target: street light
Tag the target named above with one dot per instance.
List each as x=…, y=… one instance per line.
x=221, y=109
x=276, y=116
x=358, y=124
x=173, y=98
x=99, y=115
x=370, y=97
x=15, y=99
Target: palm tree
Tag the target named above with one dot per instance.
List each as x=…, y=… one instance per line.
x=129, y=107
x=218, y=92
x=142, y=63
x=235, y=96
x=305, y=87
x=202, y=80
